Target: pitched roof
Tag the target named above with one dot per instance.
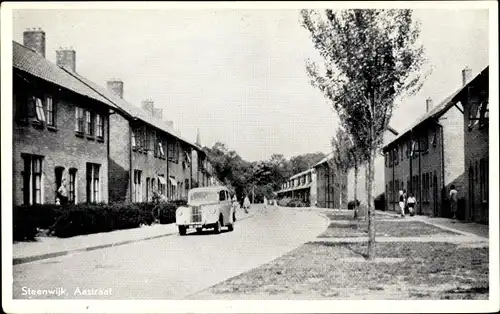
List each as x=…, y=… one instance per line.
x=301, y=173
x=435, y=112
x=135, y=112
x=27, y=60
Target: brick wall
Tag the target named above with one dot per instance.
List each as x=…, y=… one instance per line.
x=119, y=159
x=476, y=141
x=59, y=147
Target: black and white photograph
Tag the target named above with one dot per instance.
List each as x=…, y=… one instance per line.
x=249, y=157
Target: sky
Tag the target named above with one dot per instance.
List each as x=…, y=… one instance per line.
x=239, y=75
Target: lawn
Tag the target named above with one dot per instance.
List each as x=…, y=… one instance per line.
x=333, y=215
x=395, y=228
x=321, y=270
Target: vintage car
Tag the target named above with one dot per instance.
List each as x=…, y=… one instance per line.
x=207, y=207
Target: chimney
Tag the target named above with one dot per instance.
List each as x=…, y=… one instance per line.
x=35, y=39
x=66, y=58
x=466, y=75
x=158, y=113
x=148, y=106
x=115, y=86
x=428, y=103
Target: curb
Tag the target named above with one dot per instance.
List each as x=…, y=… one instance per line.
x=28, y=259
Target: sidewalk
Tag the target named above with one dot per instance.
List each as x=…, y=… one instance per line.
x=476, y=229
x=462, y=227
x=48, y=247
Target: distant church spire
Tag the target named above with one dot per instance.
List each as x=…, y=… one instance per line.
x=198, y=140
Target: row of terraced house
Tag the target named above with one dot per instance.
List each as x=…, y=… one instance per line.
x=447, y=146
x=66, y=126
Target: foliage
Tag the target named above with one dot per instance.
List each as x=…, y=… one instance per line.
x=291, y=202
x=371, y=57
x=73, y=220
x=260, y=178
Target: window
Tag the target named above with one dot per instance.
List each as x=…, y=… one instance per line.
x=478, y=107
x=424, y=142
x=173, y=187
x=40, y=115
x=137, y=186
x=222, y=195
x=149, y=191
x=100, y=126
x=434, y=138
x=389, y=193
x=93, y=185
x=173, y=152
x=72, y=198
x=50, y=112
x=483, y=113
x=79, y=121
x=89, y=123
x=386, y=159
x=396, y=156
x=32, y=179
x=147, y=140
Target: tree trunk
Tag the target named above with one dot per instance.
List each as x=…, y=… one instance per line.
x=371, y=208
x=356, y=191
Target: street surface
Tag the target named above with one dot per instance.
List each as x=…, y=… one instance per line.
x=172, y=267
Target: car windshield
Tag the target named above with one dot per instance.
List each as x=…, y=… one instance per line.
x=204, y=196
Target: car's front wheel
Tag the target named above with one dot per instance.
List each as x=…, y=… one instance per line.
x=182, y=230
x=217, y=227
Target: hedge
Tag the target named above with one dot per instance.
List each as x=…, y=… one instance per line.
x=291, y=202
x=80, y=219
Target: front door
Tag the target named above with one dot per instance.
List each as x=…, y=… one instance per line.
x=435, y=195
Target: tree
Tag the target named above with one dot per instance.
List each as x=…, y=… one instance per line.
x=345, y=157
x=303, y=162
x=371, y=57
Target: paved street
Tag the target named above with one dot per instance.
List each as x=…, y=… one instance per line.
x=171, y=267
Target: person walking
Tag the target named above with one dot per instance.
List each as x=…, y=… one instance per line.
x=411, y=202
x=453, y=201
x=246, y=204
x=402, y=202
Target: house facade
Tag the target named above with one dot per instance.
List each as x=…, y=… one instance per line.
x=67, y=126
x=474, y=99
x=60, y=130
x=428, y=158
x=321, y=185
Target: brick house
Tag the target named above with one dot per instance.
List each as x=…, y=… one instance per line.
x=60, y=129
x=146, y=154
x=474, y=99
x=321, y=185
x=428, y=157
x=379, y=179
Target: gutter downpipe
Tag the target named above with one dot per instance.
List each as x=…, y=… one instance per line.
x=130, y=161
x=442, y=171
x=420, y=181
x=394, y=192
